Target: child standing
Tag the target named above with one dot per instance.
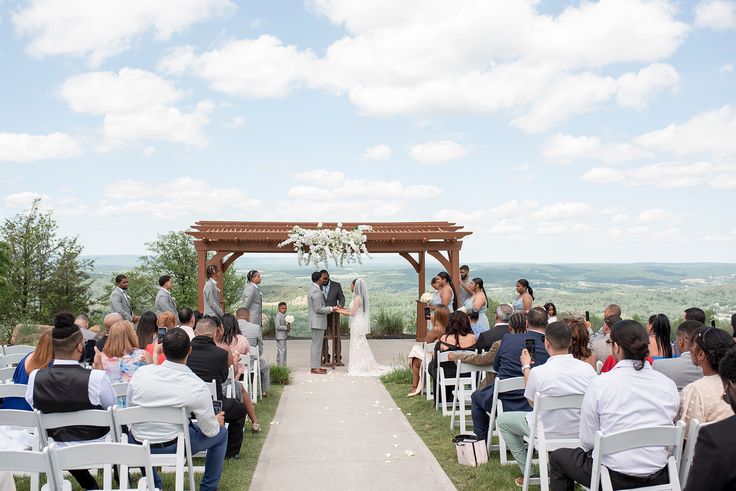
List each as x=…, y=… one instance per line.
x=282, y=331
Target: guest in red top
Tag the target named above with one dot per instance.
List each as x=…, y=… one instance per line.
x=147, y=332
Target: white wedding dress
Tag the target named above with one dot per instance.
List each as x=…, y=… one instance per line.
x=361, y=362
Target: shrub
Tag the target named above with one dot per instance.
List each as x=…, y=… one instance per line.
x=387, y=323
x=280, y=374
x=269, y=322
x=344, y=325
x=398, y=375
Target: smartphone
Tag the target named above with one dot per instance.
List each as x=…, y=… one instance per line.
x=427, y=313
x=531, y=347
x=713, y=323
x=587, y=316
x=161, y=334
x=217, y=406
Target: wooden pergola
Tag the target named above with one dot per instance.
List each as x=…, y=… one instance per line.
x=411, y=240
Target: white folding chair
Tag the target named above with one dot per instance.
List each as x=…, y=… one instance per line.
x=687, y=455
x=427, y=387
x=255, y=375
x=539, y=440
x=11, y=360
x=499, y=387
x=29, y=462
x=18, y=349
x=21, y=419
x=106, y=455
x=13, y=390
x=441, y=381
x=466, y=382
x=213, y=389
x=6, y=374
x=651, y=436
x=173, y=415
x=232, y=389
x=121, y=389
x=101, y=418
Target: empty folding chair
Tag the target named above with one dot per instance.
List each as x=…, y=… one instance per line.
x=6, y=375
x=441, y=381
x=499, y=387
x=255, y=374
x=104, y=454
x=18, y=349
x=539, y=440
x=11, y=360
x=172, y=415
x=689, y=452
x=652, y=436
x=29, y=462
x=428, y=353
x=27, y=420
x=466, y=382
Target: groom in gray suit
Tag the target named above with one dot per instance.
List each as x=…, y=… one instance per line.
x=317, y=320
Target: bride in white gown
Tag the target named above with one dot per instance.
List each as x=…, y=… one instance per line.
x=361, y=362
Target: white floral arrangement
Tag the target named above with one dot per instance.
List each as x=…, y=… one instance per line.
x=426, y=297
x=289, y=319
x=317, y=246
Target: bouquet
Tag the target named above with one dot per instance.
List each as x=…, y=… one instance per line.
x=289, y=319
x=426, y=297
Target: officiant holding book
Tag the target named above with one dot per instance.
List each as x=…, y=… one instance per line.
x=332, y=291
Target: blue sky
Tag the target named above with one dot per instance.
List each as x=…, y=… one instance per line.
x=555, y=131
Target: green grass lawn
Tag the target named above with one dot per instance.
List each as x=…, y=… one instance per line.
x=237, y=474
x=434, y=430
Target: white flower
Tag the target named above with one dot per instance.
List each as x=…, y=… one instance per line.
x=289, y=319
x=426, y=297
x=319, y=225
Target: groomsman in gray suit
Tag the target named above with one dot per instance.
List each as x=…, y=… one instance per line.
x=119, y=300
x=164, y=301
x=212, y=294
x=252, y=297
x=317, y=320
x=332, y=291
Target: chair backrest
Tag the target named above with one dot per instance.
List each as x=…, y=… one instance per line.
x=651, y=436
x=88, y=417
x=137, y=414
x=551, y=403
x=508, y=384
x=6, y=374
x=121, y=389
x=28, y=461
x=18, y=349
x=428, y=347
x=97, y=454
x=11, y=359
x=689, y=452
x=19, y=417
x=463, y=368
x=213, y=389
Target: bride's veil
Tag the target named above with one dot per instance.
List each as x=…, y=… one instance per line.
x=361, y=290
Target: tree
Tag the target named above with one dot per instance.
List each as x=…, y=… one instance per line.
x=6, y=294
x=45, y=270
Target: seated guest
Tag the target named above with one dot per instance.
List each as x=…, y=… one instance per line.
x=507, y=365
x=681, y=369
x=501, y=327
x=695, y=314
x=475, y=326
x=632, y=395
x=252, y=333
x=121, y=356
x=561, y=375
x=658, y=328
x=67, y=387
x=714, y=450
x=107, y=323
x=41, y=357
x=166, y=319
x=187, y=321
x=173, y=384
x=209, y=363
x=458, y=337
x=416, y=355
x=600, y=345
x=703, y=399
x=579, y=347
x=82, y=322
x=147, y=332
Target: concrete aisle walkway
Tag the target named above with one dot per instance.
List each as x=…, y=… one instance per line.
x=338, y=432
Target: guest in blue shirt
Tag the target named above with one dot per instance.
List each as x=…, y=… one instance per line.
x=42, y=357
x=508, y=365
x=476, y=326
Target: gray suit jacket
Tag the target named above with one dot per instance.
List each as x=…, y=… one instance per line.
x=165, y=303
x=281, y=326
x=212, y=299
x=317, y=309
x=680, y=370
x=252, y=333
x=334, y=295
x=253, y=301
x=120, y=304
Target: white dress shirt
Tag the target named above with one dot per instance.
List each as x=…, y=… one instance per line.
x=170, y=385
x=561, y=375
x=99, y=391
x=623, y=399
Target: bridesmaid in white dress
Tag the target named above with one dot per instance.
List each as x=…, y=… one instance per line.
x=361, y=362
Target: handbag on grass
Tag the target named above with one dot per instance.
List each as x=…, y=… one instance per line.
x=471, y=450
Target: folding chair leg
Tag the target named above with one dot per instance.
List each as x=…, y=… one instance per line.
x=528, y=466
x=544, y=469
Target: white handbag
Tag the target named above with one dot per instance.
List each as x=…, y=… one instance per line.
x=470, y=450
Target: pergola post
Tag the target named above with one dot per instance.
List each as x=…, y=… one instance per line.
x=201, y=273
x=422, y=274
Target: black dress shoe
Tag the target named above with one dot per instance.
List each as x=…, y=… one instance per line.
x=233, y=457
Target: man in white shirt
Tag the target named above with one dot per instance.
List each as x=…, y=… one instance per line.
x=561, y=375
x=631, y=395
x=187, y=321
x=681, y=369
x=173, y=384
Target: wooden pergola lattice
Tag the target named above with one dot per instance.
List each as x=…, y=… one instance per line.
x=411, y=240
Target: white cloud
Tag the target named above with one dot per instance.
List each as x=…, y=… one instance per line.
x=502, y=56
x=137, y=106
x=559, y=211
x=103, y=28
x=719, y=15
x=563, y=149
x=726, y=68
x=603, y=175
x=319, y=176
x=22, y=147
x=377, y=152
x=236, y=122
x=635, y=89
x=653, y=215
x=438, y=152
x=661, y=175
x=23, y=200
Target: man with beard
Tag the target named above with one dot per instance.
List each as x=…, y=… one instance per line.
x=120, y=301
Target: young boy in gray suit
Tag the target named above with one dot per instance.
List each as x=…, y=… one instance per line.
x=282, y=332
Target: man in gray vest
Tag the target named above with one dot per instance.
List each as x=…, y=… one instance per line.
x=332, y=291
x=164, y=301
x=120, y=301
